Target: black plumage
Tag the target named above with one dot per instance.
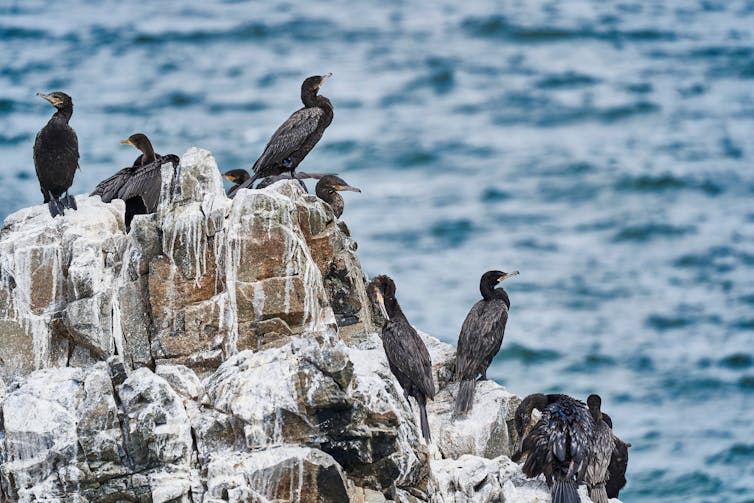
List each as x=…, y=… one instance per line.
x=56, y=155
x=599, y=453
x=138, y=186
x=617, y=468
x=327, y=190
x=237, y=177
x=406, y=353
x=558, y=445
x=481, y=336
x=298, y=135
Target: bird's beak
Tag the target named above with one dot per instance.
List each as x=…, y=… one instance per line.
x=347, y=187
x=506, y=276
x=324, y=78
x=381, y=305
x=229, y=178
x=127, y=142
x=53, y=101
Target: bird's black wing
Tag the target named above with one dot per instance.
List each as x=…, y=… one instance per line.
x=289, y=137
x=407, y=352
x=108, y=188
x=145, y=183
x=480, y=338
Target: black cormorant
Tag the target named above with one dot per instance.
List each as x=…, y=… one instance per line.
x=236, y=176
x=558, y=445
x=327, y=190
x=138, y=186
x=406, y=353
x=295, y=138
x=481, y=336
x=56, y=155
x=600, y=452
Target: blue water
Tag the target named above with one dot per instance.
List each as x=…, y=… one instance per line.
x=604, y=149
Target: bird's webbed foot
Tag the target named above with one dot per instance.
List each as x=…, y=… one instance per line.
x=69, y=201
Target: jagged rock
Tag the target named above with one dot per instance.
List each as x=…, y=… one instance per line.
x=278, y=474
x=269, y=381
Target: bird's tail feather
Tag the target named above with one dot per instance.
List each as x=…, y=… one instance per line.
x=423, y=420
x=564, y=491
x=598, y=494
x=465, y=397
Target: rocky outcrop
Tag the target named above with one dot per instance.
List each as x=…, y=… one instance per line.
x=223, y=350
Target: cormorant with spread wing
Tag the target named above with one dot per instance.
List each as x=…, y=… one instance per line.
x=558, y=445
x=406, y=353
x=295, y=138
x=138, y=186
x=56, y=155
x=481, y=336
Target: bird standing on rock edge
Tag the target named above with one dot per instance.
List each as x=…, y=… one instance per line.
x=56, y=155
x=480, y=338
x=406, y=353
x=139, y=185
x=558, y=445
x=298, y=135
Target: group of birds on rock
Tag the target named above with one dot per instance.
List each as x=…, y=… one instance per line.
x=56, y=159
x=571, y=443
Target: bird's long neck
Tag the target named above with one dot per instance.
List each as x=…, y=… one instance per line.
x=489, y=292
x=147, y=153
x=394, y=309
x=63, y=114
x=596, y=414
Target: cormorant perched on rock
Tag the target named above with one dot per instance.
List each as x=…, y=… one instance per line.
x=295, y=138
x=327, y=190
x=139, y=185
x=481, y=336
x=406, y=353
x=56, y=155
x=600, y=452
x=618, y=463
x=558, y=445
x=236, y=176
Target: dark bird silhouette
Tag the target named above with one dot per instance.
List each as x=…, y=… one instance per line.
x=327, y=190
x=298, y=135
x=56, y=155
x=600, y=452
x=140, y=184
x=618, y=463
x=237, y=177
x=481, y=336
x=558, y=445
x=406, y=353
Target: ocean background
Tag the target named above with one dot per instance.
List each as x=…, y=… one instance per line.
x=604, y=149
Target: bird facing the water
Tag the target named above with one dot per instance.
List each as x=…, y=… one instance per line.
x=139, y=185
x=616, y=470
x=558, y=445
x=298, y=135
x=481, y=336
x=327, y=190
x=406, y=353
x=56, y=155
x=600, y=452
